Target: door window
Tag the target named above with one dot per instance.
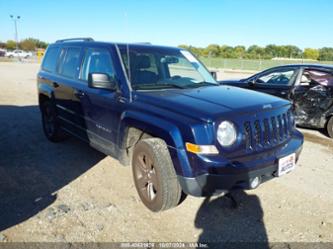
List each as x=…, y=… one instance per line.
x=97, y=61
x=50, y=60
x=277, y=77
x=70, y=62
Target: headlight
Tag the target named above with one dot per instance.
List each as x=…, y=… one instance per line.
x=226, y=134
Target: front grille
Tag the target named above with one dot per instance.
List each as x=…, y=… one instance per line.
x=267, y=132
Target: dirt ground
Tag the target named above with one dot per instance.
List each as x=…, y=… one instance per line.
x=70, y=192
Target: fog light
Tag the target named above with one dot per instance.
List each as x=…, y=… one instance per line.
x=255, y=182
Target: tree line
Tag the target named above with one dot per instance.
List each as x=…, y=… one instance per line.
x=257, y=52
x=215, y=50
x=29, y=44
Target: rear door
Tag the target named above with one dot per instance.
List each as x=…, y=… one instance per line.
x=67, y=73
x=278, y=82
x=313, y=96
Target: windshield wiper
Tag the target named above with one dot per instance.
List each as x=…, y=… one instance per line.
x=172, y=85
x=201, y=84
x=156, y=86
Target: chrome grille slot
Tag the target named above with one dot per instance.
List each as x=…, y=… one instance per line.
x=266, y=132
x=285, y=124
x=290, y=125
x=274, y=129
x=257, y=133
x=248, y=135
x=280, y=127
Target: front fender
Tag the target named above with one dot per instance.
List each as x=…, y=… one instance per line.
x=161, y=128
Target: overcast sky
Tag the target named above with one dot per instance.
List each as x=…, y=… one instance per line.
x=173, y=22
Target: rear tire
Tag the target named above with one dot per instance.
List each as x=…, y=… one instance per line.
x=154, y=175
x=51, y=126
x=329, y=127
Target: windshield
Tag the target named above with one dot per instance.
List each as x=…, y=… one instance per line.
x=150, y=68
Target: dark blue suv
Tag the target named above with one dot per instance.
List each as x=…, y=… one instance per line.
x=159, y=110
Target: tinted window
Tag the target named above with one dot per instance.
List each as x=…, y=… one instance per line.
x=70, y=62
x=277, y=77
x=97, y=61
x=50, y=60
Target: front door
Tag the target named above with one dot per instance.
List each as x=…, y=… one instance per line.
x=98, y=110
x=277, y=82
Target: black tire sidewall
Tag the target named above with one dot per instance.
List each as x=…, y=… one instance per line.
x=55, y=136
x=157, y=204
x=329, y=127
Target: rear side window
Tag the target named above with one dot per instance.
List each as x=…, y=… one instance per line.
x=70, y=62
x=50, y=60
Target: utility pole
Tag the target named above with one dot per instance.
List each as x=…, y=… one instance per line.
x=15, y=19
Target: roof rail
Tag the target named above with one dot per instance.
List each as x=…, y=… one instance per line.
x=76, y=39
x=144, y=43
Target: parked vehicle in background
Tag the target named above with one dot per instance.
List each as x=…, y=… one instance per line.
x=18, y=54
x=2, y=52
x=159, y=110
x=309, y=87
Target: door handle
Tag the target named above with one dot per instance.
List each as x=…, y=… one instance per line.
x=55, y=84
x=121, y=99
x=79, y=94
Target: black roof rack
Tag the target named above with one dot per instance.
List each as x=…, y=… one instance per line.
x=76, y=39
x=144, y=43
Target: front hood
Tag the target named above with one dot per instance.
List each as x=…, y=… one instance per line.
x=210, y=102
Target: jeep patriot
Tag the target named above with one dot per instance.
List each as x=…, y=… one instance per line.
x=160, y=111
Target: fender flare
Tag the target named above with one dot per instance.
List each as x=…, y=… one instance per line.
x=159, y=128
x=45, y=90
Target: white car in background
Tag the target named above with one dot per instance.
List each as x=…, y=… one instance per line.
x=2, y=52
x=18, y=54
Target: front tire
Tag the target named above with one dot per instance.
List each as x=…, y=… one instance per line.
x=154, y=175
x=329, y=127
x=51, y=126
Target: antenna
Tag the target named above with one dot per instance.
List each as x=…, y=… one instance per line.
x=127, y=51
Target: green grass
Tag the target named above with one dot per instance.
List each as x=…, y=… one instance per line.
x=253, y=65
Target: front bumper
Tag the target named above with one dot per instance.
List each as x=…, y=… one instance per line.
x=232, y=177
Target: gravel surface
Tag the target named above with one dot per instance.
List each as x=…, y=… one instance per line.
x=71, y=192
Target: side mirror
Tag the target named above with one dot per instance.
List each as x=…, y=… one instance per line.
x=214, y=74
x=102, y=81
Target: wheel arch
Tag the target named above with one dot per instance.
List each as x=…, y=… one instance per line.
x=45, y=93
x=135, y=124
